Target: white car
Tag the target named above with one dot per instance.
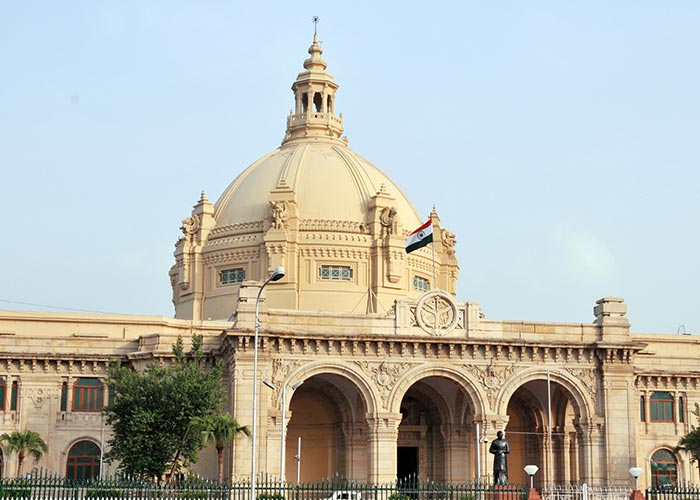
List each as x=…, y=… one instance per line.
x=345, y=495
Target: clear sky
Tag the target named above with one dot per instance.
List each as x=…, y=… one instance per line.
x=560, y=141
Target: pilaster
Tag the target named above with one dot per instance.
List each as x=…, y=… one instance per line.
x=384, y=431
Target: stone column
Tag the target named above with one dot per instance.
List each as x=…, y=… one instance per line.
x=455, y=439
x=384, y=431
x=585, y=432
x=356, y=451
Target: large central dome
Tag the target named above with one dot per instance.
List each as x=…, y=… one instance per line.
x=334, y=220
x=330, y=182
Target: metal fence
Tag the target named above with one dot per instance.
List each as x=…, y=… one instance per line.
x=585, y=492
x=411, y=488
x=674, y=492
x=46, y=486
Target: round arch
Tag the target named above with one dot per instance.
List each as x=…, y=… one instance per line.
x=328, y=421
x=525, y=399
x=583, y=404
x=83, y=459
x=464, y=381
x=663, y=467
x=346, y=371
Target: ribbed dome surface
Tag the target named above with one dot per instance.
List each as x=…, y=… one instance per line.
x=330, y=182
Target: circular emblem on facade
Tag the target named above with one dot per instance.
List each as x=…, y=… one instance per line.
x=436, y=312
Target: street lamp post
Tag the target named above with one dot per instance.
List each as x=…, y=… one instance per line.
x=635, y=472
x=277, y=274
x=283, y=429
x=531, y=470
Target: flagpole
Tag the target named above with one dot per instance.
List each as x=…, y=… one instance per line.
x=432, y=245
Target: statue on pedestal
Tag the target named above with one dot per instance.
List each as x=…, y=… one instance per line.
x=500, y=449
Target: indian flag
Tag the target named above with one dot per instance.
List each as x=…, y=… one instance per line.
x=420, y=237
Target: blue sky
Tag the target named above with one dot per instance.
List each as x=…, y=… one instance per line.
x=560, y=141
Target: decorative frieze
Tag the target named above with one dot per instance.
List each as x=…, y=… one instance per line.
x=679, y=381
x=327, y=225
x=233, y=255
x=334, y=253
x=236, y=229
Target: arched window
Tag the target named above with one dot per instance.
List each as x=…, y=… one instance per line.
x=14, y=394
x=664, y=469
x=87, y=395
x=64, y=396
x=661, y=407
x=83, y=461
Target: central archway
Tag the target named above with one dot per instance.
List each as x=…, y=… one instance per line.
x=328, y=424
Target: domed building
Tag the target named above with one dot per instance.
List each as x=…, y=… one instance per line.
x=333, y=220
x=350, y=356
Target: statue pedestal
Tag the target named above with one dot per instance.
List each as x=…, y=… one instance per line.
x=534, y=495
x=505, y=492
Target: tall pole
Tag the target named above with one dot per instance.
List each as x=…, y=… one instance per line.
x=276, y=275
x=549, y=429
x=478, y=454
x=283, y=434
x=298, y=457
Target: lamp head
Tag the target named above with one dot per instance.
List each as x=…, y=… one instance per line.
x=269, y=384
x=635, y=472
x=531, y=470
x=277, y=274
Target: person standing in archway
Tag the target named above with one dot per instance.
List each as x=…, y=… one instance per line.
x=499, y=449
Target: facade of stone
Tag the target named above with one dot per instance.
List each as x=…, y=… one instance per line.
x=397, y=376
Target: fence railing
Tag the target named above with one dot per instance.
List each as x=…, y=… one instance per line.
x=411, y=488
x=51, y=487
x=674, y=492
x=585, y=492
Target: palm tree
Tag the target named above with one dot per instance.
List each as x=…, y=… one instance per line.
x=23, y=443
x=221, y=429
x=691, y=441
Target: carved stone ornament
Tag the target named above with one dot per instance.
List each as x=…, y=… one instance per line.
x=388, y=219
x=449, y=240
x=492, y=378
x=40, y=396
x=385, y=375
x=279, y=214
x=190, y=225
x=436, y=312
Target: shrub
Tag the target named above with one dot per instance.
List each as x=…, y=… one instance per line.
x=270, y=496
x=399, y=496
x=16, y=489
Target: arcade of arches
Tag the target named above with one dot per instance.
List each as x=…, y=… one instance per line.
x=433, y=433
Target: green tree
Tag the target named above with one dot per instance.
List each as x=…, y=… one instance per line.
x=221, y=429
x=153, y=413
x=23, y=443
x=691, y=441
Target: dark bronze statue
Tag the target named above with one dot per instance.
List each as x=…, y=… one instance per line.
x=500, y=449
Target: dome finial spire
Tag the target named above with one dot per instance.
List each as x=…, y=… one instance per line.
x=314, y=90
